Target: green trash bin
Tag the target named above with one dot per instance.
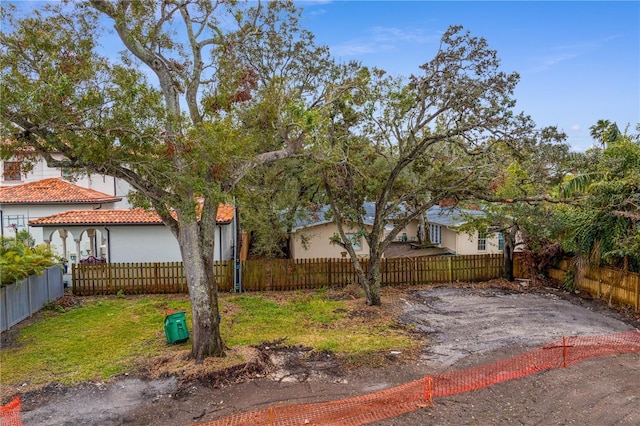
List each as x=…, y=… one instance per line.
x=175, y=328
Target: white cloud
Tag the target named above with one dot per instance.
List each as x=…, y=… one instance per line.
x=383, y=39
x=562, y=53
x=354, y=48
x=550, y=61
x=576, y=128
x=396, y=35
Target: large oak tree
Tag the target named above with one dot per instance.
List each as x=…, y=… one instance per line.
x=181, y=100
x=407, y=145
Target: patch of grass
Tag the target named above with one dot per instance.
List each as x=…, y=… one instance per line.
x=107, y=336
x=94, y=341
x=300, y=320
x=311, y=320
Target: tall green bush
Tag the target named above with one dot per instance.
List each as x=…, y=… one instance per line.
x=20, y=257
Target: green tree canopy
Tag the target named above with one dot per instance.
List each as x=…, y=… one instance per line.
x=406, y=145
x=201, y=93
x=524, y=193
x=604, y=223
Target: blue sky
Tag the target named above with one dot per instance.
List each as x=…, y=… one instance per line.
x=578, y=61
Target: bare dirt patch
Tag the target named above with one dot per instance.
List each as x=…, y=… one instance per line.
x=460, y=327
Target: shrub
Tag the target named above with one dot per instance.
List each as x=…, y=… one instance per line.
x=20, y=257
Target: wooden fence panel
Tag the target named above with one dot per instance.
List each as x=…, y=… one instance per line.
x=603, y=282
x=437, y=270
x=254, y=275
x=635, y=279
x=617, y=285
x=128, y=278
x=557, y=274
x=281, y=274
x=340, y=272
x=278, y=274
x=224, y=275
x=310, y=273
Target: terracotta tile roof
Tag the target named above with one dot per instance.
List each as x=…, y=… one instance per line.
x=117, y=217
x=53, y=191
x=100, y=217
x=225, y=213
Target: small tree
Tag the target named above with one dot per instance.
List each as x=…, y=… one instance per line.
x=273, y=198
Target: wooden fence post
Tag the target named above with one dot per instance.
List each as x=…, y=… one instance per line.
x=638, y=292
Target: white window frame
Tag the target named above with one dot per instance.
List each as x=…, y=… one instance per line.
x=482, y=241
x=500, y=241
x=435, y=233
x=15, y=221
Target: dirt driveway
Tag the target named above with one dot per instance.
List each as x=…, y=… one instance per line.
x=462, y=327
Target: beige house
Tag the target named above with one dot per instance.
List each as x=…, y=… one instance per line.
x=444, y=224
x=314, y=242
x=311, y=238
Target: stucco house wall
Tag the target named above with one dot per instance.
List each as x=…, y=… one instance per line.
x=463, y=243
x=102, y=183
x=155, y=243
x=409, y=232
x=318, y=243
x=225, y=241
x=448, y=221
x=449, y=239
x=140, y=243
x=132, y=243
x=468, y=244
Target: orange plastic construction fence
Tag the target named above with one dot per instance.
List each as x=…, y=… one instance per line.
x=10, y=413
x=420, y=393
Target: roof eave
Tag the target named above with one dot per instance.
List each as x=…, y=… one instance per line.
x=16, y=203
x=97, y=224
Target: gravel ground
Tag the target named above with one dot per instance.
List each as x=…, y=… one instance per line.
x=462, y=327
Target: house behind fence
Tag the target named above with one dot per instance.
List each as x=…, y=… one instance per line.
x=21, y=300
x=281, y=274
x=296, y=274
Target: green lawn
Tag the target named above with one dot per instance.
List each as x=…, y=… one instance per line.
x=107, y=336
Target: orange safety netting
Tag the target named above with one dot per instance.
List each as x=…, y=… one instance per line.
x=420, y=393
x=10, y=413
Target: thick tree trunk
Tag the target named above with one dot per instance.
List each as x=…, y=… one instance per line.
x=206, y=339
x=374, y=278
x=507, y=252
x=370, y=281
